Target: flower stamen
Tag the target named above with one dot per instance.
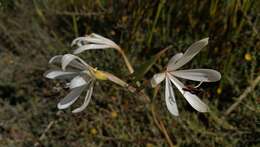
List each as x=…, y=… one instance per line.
x=197, y=86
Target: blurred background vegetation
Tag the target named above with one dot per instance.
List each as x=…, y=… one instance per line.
x=32, y=31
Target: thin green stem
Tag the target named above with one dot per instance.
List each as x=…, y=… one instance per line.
x=160, y=6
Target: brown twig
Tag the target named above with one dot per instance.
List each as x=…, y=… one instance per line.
x=161, y=126
x=251, y=24
x=249, y=89
x=138, y=141
x=55, y=12
x=44, y=132
x=43, y=135
x=247, y=18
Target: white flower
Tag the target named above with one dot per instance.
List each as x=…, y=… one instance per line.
x=95, y=41
x=172, y=72
x=82, y=77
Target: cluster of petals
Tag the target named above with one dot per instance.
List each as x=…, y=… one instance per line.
x=81, y=76
x=96, y=42
x=172, y=73
x=93, y=42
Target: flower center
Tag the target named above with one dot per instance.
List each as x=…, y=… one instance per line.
x=99, y=75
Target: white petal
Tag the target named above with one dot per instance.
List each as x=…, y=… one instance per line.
x=193, y=50
x=105, y=40
x=90, y=47
x=157, y=79
x=59, y=74
x=77, y=81
x=95, y=39
x=74, y=63
x=170, y=98
x=55, y=59
x=67, y=59
x=173, y=60
x=192, y=99
x=79, y=41
x=87, y=99
x=70, y=98
x=205, y=75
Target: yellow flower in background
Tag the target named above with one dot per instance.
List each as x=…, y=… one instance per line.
x=124, y=19
x=113, y=114
x=219, y=90
x=149, y=145
x=248, y=57
x=93, y=131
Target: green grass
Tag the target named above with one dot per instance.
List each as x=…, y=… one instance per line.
x=31, y=33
